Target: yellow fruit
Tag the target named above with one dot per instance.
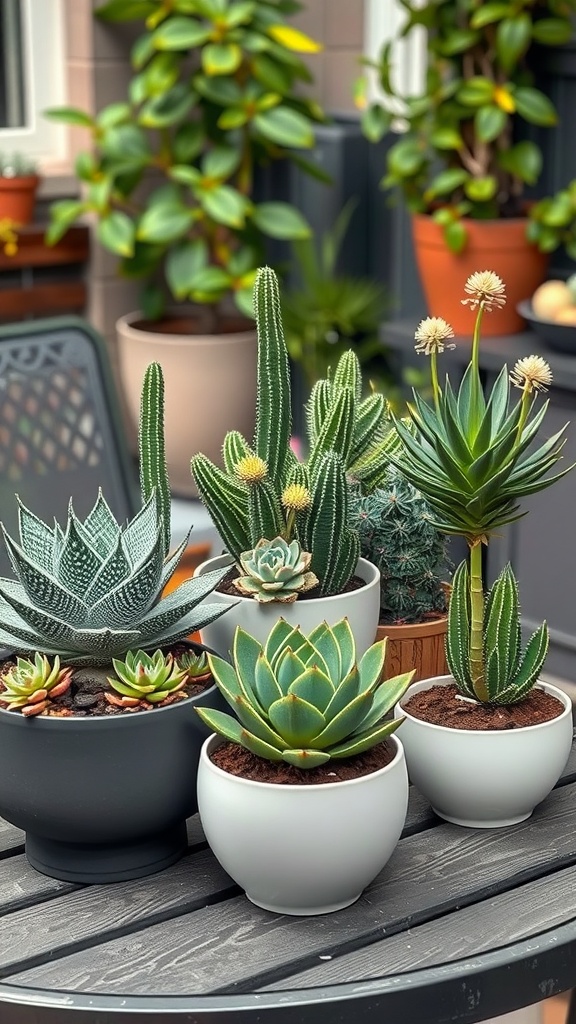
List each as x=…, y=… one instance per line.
x=550, y=298
x=566, y=316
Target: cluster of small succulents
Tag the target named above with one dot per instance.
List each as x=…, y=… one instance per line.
x=144, y=678
x=304, y=699
x=30, y=685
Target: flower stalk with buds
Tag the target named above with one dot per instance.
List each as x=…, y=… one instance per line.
x=472, y=457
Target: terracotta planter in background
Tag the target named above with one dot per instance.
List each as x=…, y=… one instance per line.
x=17, y=198
x=210, y=385
x=419, y=645
x=499, y=245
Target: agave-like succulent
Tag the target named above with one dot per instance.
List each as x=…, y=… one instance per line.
x=30, y=685
x=93, y=591
x=194, y=665
x=303, y=699
x=144, y=678
x=275, y=571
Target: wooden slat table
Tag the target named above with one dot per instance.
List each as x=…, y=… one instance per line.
x=461, y=924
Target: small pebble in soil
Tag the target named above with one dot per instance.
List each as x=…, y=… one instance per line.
x=85, y=700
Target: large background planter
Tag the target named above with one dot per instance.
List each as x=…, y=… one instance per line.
x=210, y=385
x=303, y=849
x=489, y=778
x=361, y=607
x=417, y=645
x=103, y=798
x=499, y=245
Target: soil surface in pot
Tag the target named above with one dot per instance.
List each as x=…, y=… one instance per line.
x=237, y=760
x=191, y=325
x=387, y=619
x=226, y=586
x=440, y=705
x=86, y=695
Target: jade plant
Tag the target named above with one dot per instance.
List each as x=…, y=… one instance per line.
x=92, y=591
x=397, y=533
x=213, y=99
x=474, y=457
x=142, y=678
x=464, y=151
x=264, y=491
x=275, y=571
x=304, y=699
x=30, y=685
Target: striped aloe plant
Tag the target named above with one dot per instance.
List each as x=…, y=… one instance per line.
x=93, y=591
x=264, y=491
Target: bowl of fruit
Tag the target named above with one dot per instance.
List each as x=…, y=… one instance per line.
x=551, y=312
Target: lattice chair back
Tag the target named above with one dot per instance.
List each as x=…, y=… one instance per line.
x=61, y=433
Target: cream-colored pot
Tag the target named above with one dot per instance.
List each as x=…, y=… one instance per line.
x=361, y=607
x=488, y=778
x=210, y=386
x=303, y=849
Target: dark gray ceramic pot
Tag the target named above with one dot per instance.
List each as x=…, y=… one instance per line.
x=103, y=798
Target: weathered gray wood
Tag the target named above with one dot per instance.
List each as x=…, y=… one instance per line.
x=11, y=839
x=538, y=906
x=237, y=946
x=96, y=913
x=21, y=886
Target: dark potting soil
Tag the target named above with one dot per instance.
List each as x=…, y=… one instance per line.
x=226, y=586
x=440, y=705
x=86, y=694
x=387, y=619
x=237, y=760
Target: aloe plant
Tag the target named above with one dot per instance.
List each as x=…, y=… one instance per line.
x=473, y=457
x=264, y=491
x=303, y=699
x=29, y=685
x=143, y=678
x=93, y=590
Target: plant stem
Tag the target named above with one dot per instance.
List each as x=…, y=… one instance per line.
x=434, y=375
x=477, y=620
x=291, y=519
x=476, y=338
x=526, y=394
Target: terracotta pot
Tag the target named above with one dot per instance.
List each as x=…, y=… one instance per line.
x=499, y=245
x=210, y=383
x=418, y=645
x=17, y=198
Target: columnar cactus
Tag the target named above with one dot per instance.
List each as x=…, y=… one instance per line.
x=264, y=491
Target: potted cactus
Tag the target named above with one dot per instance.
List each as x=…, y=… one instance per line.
x=488, y=742
x=304, y=801
x=99, y=695
x=397, y=533
x=285, y=522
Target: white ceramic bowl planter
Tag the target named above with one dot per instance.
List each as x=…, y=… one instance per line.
x=489, y=778
x=361, y=607
x=303, y=849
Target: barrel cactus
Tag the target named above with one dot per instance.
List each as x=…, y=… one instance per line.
x=303, y=699
x=275, y=571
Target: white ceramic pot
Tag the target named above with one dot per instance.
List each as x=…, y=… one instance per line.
x=223, y=369
x=489, y=778
x=361, y=607
x=303, y=849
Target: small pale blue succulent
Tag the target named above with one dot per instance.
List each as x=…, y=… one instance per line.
x=275, y=571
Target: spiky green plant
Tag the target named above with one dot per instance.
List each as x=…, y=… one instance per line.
x=253, y=497
x=29, y=685
x=303, y=699
x=194, y=665
x=397, y=534
x=93, y=591
x=275, y=571
x=144, y=678
x=473, y=458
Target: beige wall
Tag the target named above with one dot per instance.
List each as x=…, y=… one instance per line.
x=98, y=72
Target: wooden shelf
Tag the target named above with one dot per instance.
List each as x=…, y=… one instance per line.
x=40, y=280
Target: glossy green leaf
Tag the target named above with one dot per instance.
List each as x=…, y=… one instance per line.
x=535, y=107
x=287, y=127
x=481, y=190
x=163, y=222
x=116, y=232
x=180, y=33
x=297, y=721
x=69, y=115
x=210, y=280
x=182, y=263
x=313, y=686
x=376, y=121
x=552, y=31
x=524, y=160
x=221, y=162
x=224, y=205
x=221, y=58
x=360, y=742
x=513, y=37
x=455, y=236
x=63, y=214
x=489, y=122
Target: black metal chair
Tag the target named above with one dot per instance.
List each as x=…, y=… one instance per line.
x=61, y=433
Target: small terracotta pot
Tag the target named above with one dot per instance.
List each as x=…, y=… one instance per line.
x=498, y=245
x=419, y=645
x=17, y=198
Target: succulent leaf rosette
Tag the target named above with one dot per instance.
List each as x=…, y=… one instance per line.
x=30, y=684
x=144, y=678
x=275, y=571
x=473, y=457
x=304, y=699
